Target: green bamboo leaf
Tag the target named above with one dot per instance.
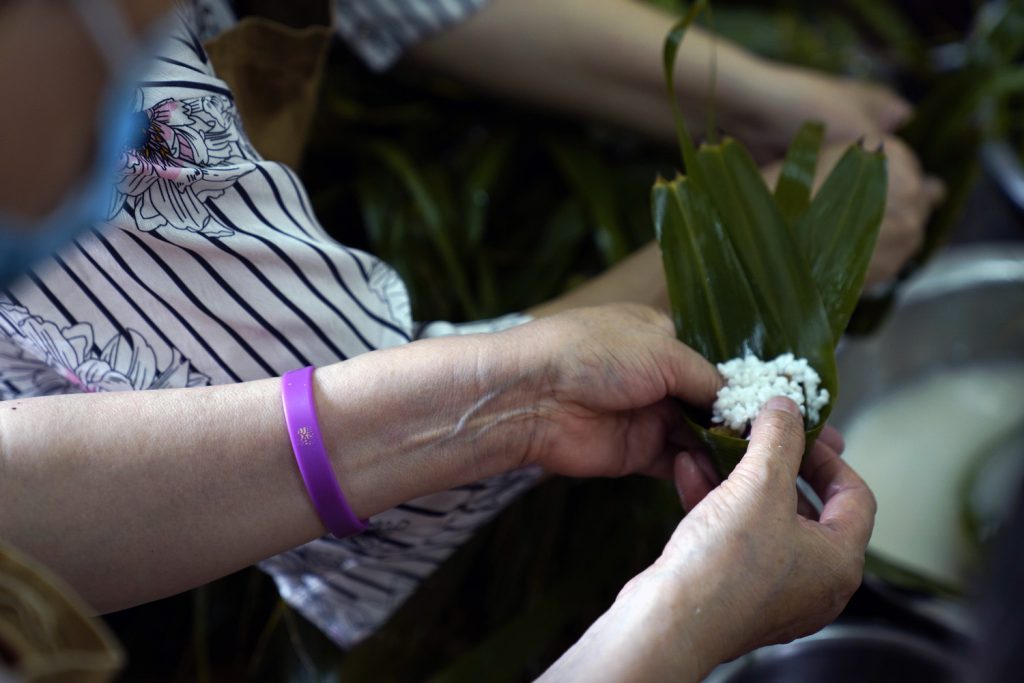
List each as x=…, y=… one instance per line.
x=839, y=230
x=772, y=260
x=793, y=189
x=715, y=310
x=750, y=272
x=671, y=48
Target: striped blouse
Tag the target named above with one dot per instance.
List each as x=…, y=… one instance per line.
x=211, y=268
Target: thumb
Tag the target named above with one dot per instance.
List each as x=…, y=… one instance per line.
x=776, y=445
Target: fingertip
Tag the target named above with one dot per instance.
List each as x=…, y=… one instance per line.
x=694, y=378
x=783, y=404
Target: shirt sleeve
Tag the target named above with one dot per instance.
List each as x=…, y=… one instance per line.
x=439, y=328
x=380, y=31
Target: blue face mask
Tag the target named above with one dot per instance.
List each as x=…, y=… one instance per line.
x=24, y=242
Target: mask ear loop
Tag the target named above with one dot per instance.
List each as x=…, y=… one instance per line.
x=109, y=30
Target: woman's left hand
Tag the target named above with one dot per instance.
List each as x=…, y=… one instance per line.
x=605, y=386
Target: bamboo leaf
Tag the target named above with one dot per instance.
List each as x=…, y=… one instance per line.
x=773, y=263
x=793, y=189
x=750, y=272
x=715, y=310
x=673, y=41
x=839, y=231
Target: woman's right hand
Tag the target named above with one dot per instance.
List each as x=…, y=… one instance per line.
x=796, y=574
x=743, y=568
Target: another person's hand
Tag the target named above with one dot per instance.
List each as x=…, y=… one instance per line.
x=743, y=568
x=912, y=196
x=605, y=384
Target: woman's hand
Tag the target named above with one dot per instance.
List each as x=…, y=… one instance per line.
x=604, y=386
x=912, y=196
x=743, y=569
x=797, y=574
x=210, y=485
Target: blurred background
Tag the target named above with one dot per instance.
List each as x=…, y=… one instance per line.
x=484, y=209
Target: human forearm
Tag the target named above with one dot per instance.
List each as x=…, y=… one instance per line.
x=649, y=634
x=132, y=496
x=639, y=278
x=596, y=58
x=602, y=59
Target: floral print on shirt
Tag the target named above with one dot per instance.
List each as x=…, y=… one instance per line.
x=189, y=151
x=37, y=352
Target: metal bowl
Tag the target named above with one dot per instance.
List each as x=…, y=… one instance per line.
x=1003, y=164
x=848, y=653
x=965, y=309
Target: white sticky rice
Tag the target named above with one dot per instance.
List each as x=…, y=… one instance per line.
x=750, y=382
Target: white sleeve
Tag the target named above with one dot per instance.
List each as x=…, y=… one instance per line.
x=439, y=328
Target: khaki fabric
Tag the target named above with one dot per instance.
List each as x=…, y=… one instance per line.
x=274, y=63
x=46, y=633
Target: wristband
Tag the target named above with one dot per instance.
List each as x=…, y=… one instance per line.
x=311, y=456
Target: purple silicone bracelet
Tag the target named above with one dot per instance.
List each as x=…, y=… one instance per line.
x=311, y=456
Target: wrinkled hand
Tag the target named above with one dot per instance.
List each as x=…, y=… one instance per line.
x=606, y=380
x=743, y=568
x=757, y=571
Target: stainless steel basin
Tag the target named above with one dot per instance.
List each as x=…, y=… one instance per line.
x=965, y=308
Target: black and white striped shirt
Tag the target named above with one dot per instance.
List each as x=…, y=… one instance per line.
x=212, y=269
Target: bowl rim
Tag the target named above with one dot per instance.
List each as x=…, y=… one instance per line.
x=858, y=631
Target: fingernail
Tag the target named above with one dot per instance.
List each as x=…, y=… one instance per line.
x=782, y=403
